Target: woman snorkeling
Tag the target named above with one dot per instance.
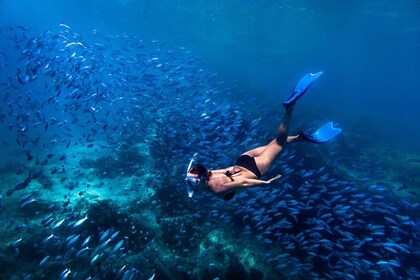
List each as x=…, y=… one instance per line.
x=253, y=164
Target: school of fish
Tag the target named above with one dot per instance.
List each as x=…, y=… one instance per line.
x=116, y=108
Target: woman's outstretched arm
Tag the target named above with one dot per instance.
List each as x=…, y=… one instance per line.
x=249, y=183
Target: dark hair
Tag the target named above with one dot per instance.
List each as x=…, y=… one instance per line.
x=200, y=170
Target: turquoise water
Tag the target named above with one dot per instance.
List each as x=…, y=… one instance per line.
x=369, y=48
x=101, y=131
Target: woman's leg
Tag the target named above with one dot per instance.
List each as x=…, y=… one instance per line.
x=267, y=155
x=259, y=150
x=291, y=139
x=283, y=130
x=256, y=152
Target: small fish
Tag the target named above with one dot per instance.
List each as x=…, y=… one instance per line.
x=26, y=197
x=80, y=222
x=96, y=258
x=115, y=234
x=120, y=271
x=10, y=192
x=104, y=235
x=29, y=155
x=66, y=272
x=20, y=170
x=102, y=246
x=65, y=26
x=43, y=261
x=46, y=218
x=86, y=241
x=73, y=240
x=118, y=245
x=22, y=79
x=82, y=251
x=16, y=242
x=66, y=203
x=28, y=202
x=70, y=224
x=38, y=174
x=20, y=186
x=58, y=224
x=46, y=239
x=49, y=221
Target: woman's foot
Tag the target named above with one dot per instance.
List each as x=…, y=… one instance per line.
x=291, y=139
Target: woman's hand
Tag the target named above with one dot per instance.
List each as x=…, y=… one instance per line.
x=273, y=179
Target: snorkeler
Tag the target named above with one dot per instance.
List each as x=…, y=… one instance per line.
x=251, y=165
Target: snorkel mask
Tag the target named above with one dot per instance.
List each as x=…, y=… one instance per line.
x=191, y=183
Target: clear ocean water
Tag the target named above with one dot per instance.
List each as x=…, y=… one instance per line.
x=103, y=103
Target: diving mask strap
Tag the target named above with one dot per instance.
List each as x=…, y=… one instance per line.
x=189, y=190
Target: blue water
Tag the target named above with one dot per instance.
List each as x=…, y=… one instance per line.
x=226, y=67
x=369, y=49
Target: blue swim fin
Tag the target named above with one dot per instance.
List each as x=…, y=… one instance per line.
x=301, y=87
x=322, y=134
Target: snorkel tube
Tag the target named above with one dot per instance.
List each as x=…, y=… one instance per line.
x=187, y=180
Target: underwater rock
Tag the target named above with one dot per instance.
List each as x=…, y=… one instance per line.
x=236, y=271
x=1, y=204
x=126, y=162
x=229, y=258
x=255, y=274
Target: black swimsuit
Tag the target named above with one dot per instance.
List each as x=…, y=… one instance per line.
x=247, y=162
